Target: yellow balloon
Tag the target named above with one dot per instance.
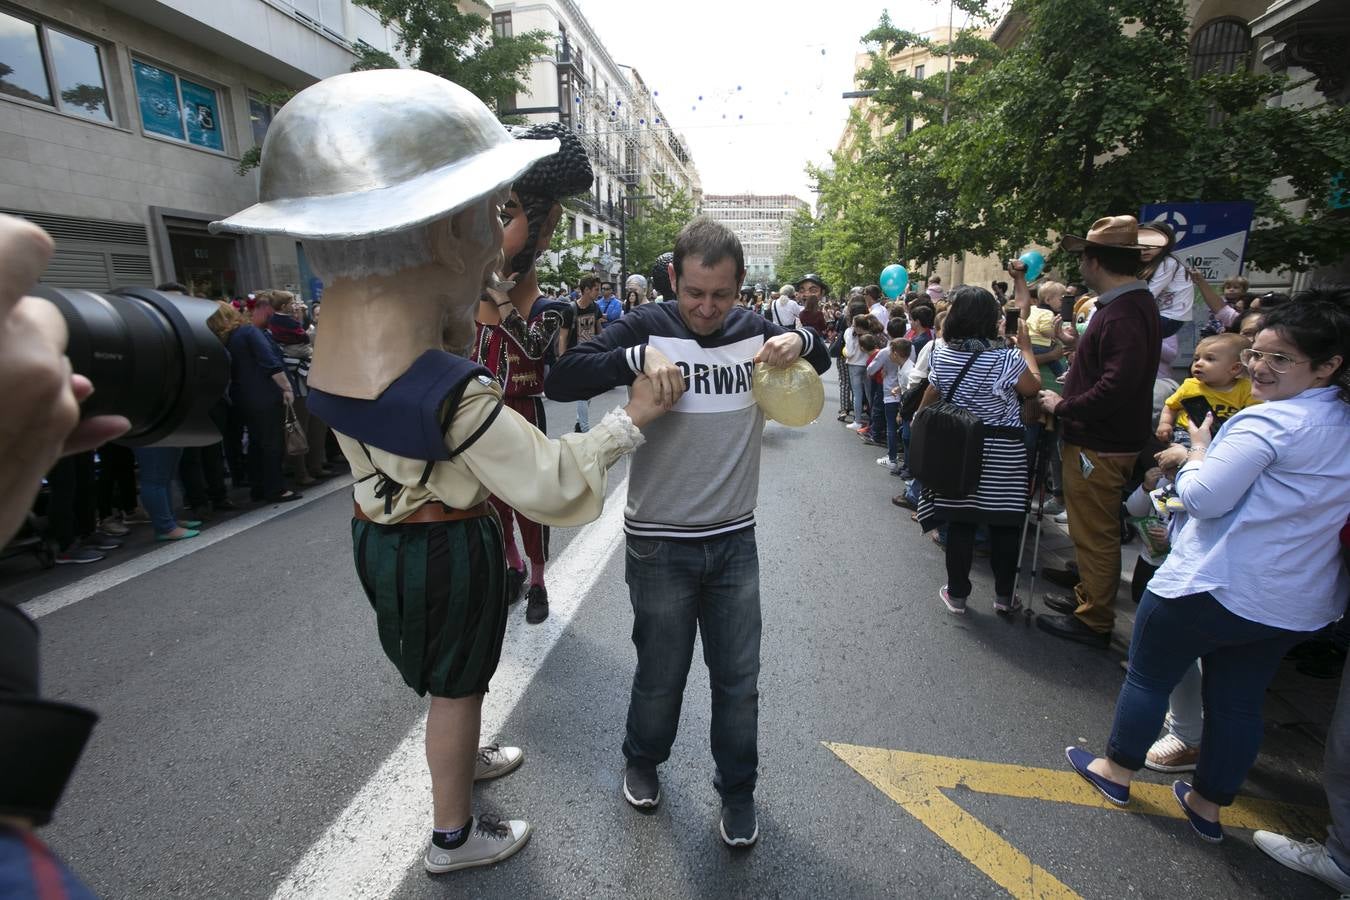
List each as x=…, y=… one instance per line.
x=791, y=394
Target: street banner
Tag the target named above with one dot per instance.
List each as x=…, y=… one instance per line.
x=1211, y=237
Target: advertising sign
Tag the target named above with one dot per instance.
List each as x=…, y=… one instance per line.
x=1211, y=237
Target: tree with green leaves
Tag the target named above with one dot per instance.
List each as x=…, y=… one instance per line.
x=461, y=46
x=653, y=228
x=801, y=251
x=1044, y=138
x=574, y=255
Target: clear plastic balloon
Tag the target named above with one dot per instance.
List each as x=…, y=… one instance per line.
x=792, y=395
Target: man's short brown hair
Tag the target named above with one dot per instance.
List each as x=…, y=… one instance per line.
x=711, y=242
x=586, y=282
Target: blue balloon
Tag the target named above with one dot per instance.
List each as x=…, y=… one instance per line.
x=1034, y=262
x=894, y=279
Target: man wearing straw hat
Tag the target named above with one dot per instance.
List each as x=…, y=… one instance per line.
x=401, y=220
x=1106, y=414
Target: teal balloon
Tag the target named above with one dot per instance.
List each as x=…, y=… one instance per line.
x=894, y=279
x=1034, y=262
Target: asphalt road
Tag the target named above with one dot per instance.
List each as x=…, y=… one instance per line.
x=246, y=705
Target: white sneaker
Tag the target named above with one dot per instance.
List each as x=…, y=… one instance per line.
x=491, y=841
x=1309, y=857
x=494, y=761
x=1062, y=518
x=884, y=461
x=853, y=426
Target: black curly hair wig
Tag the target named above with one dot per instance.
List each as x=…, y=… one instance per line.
x=563, y=174
x=661, y=275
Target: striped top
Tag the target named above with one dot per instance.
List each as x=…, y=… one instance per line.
x=988, y=390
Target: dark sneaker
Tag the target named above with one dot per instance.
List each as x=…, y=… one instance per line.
x=536, y=604
x=1071, y=628
x=78, y=555
x=494, y=761
x=641, y=786
x=1119, y=794
x=1061, y=604
x=739, y=826
x=1209, y=831
x=100, y=541
x=491, y=841
x=515, y=583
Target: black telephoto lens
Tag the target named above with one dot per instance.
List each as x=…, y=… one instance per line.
x=151, y=358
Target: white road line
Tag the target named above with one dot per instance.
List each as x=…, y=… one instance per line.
x=374, y=842
x=85, y=588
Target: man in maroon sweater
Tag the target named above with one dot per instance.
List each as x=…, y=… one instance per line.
x=1106, y=416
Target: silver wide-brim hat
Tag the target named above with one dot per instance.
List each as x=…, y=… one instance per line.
x=371, y=153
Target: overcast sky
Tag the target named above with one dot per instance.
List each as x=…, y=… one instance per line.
x=769, y=75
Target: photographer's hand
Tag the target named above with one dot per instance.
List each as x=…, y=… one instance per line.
x=40, y=422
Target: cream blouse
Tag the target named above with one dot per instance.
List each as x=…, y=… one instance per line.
x=559, y=483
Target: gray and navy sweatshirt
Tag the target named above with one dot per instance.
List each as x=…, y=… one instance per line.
x=697, y=476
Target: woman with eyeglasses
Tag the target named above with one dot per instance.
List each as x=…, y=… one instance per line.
x=1256, y=568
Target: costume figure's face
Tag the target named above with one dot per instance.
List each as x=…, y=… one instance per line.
x=705, y=294
x=807, y=290
x=515, y=228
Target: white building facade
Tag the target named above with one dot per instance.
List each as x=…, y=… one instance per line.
x=761, y=221
x=122, y=124
x=632, y=148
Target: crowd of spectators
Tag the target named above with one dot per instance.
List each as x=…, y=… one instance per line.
x=1233, y=477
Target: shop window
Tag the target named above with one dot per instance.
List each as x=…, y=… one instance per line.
x=260, y=115
x=176, y=108
x=43, y=65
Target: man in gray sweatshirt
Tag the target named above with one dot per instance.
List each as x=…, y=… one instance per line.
x=692, y=563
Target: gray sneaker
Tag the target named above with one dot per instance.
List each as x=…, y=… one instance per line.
x=494, y=761
x=641, y=786
x=491, y=841
x=739, y=826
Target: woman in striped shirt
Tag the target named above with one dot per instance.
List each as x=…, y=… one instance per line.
x=997, y=377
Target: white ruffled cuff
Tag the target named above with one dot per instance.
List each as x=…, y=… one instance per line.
x=620, y=427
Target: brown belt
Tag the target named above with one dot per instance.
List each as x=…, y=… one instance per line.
x=433, y=512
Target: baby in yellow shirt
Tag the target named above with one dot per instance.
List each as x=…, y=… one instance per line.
x=1218, y=376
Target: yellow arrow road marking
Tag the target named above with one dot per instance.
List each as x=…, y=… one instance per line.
x=916, y=781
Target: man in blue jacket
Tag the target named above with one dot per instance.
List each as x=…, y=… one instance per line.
x=608, y=303
x=692, y=563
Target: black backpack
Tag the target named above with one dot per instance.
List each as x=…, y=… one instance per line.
x=946, y=446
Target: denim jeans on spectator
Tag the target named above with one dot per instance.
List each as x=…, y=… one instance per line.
x=892, y=430
x=857, y=380
x=1239, y=658
x=904, y=438
x=584, y=414
x=158, y=465
x=678, y=589
x=876, y=409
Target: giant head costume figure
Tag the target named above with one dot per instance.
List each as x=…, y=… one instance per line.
x=392, y=180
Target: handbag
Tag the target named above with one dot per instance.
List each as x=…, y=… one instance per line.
x=911, y=398
x=946, y=447
x=296, y=442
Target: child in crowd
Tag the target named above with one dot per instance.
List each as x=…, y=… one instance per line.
x=893, y=365
x=871, y=343
x=855, y=359
x=1041, y=328
x=1217, y=376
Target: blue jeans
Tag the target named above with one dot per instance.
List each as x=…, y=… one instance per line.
x=678, y=589
x=857, y=380
x=584, y=414
x=892, y=411
x=1240, y=658
x=157, y=468
x=875, y=409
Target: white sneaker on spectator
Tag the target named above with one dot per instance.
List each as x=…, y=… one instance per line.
x=853, y=426
x=494, y=761
x=1062, y=518
x=884, y=461
x=1309, y=857
x=1053, y=506
x=491, y=841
